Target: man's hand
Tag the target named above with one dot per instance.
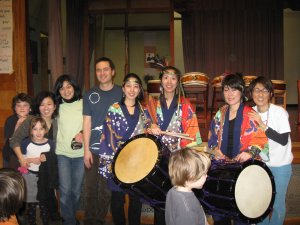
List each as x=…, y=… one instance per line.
x=88, y=158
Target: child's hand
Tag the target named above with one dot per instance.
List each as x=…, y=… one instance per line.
x=43, y=158
x=24, y=163
x=36, y=160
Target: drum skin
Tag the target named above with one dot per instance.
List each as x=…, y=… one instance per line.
x=244, y=192
x=140, y=168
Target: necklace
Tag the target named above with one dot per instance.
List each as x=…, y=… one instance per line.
x=265, y=121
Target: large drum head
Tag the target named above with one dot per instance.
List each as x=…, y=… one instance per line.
x=253, y=191
x=136, y=160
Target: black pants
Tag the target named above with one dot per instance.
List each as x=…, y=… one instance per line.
x=52, y=204
x=97, y=196
x=159, y=217
x=219, y=220
x=31, y=213
x=117, y=209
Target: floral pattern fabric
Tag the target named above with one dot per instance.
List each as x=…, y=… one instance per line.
x=114, y=131
x=183, y=120
x=251, y=138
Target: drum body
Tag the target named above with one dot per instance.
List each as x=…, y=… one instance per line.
x=194, y=78
x=141, y=168
x=153, y=87
x=217, y=81
x=248, y=79
x=244, y=192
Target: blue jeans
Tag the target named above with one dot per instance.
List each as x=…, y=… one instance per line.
x=282, y=176
x=70, y=172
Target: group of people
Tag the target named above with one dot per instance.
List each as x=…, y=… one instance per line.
x=71, y=140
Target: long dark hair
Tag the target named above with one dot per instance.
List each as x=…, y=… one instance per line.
x=140, y=96
x=178, y=75
x=59, y=84
x=39, y=99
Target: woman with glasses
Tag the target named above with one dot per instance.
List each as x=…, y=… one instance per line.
x=267, y=116
x=232, y=132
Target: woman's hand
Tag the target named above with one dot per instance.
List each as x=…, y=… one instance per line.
x=257, y=118
x=36, y=160
x=79, y=137
x=154, y=129
x=243, y=157
x=218, y=155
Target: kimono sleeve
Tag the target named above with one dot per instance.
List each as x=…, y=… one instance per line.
x=190, y=126
x=109, y=142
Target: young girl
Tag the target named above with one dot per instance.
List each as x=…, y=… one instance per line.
x=38, y=151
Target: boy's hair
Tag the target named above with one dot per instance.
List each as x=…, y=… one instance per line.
x=12, y=193
x=35, y=120
x=21, y=97
x=187, y=165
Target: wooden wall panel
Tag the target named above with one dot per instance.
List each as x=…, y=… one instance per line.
x=11, y=84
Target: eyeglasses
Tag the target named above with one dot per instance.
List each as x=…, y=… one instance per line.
x=263, y=91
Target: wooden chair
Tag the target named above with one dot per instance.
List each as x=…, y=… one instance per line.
x=217, y=96
x=279, y=97
x=195, y=86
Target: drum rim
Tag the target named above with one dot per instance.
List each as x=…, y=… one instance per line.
x=155, y=81
x=195, y=73
x=114, y=176
x=268, y=210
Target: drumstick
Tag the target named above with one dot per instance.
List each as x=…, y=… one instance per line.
x=179, y=135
